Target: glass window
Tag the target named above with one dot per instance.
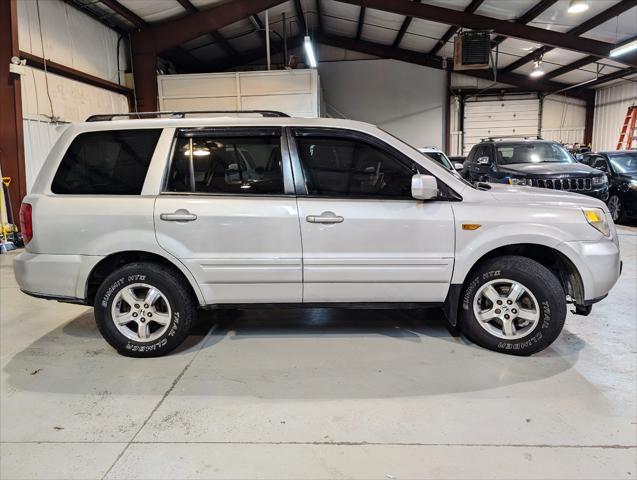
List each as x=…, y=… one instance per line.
x=106, y=163
x=532, y=152
x=344, y=166
x=481, y=151
x=225, y=163
x=624, y=162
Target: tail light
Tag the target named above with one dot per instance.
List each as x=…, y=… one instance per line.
x=26, y=222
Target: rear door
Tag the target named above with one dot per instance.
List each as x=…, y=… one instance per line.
x=365, y=239
x=229, y=213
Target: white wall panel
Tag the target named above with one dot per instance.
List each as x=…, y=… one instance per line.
x=70, y=37
x=488, y=117
x=563, y=119
x=39, y=136
x=295, y=92
x=611, y=105
x=72, y=101
x=404, y=99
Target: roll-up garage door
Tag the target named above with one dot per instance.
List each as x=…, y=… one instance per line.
x=502, y=117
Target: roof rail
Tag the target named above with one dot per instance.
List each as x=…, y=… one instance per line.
x=500, y=137
x=105, y=117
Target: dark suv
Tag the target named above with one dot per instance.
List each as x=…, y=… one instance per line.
x=534, y=163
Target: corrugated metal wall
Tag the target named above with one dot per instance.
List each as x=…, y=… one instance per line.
x=611, y=104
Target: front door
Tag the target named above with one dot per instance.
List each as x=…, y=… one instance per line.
x=365, y=239
x=228, y=212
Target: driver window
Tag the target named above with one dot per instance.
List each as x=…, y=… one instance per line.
x=214, y=163
x=351, y=167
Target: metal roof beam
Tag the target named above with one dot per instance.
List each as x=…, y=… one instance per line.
x=418, y=58
x=472, y=7
x=481, y=22
x=529, y=15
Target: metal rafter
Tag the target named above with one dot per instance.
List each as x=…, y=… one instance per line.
x=120, y=9
x=582, y=62
x=481, y=22
x=529, y=15
x=410, y=56
x=215, y=35
x=403, y=29
x=361, y=21
x=298, y=8
x=591, y=23
x=319, y=15
x=472, y=7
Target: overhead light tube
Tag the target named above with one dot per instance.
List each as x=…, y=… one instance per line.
x=577, y=6
x=628, y=47
x=309, y=51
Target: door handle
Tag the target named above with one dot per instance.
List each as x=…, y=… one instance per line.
x=180, y=215
x=325, y=217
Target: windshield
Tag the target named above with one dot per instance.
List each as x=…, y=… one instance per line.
x=624, y=162
x=441, y=158
x=532, y=152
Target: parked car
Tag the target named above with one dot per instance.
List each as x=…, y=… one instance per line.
x=440, y=157
x=149, y=219
x=534, y=163
x=621, y=169
x=459, y=159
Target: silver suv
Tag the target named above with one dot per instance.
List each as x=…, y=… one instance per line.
x=149, y=219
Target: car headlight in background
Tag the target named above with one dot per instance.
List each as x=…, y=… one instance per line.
x=597, y=219
x=601, y=180
x=520, y=181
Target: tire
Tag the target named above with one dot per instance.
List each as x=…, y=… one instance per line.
x=541, y=301
x=616, y=208
x=154, y=328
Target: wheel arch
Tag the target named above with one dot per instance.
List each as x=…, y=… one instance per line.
x=118, y=259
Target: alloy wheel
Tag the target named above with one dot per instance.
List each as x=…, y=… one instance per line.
x=141, y=312
x=506, y=309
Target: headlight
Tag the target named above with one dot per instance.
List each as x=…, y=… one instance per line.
x=632, y=184
x=597, y=218
x=601, y=180
x=519, y=181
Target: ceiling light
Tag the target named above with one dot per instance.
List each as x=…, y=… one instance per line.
x=577, y=6
x=537, y=69
x=309, y=51
x=628, y=47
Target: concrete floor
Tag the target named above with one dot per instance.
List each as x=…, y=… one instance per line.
x=317, y=394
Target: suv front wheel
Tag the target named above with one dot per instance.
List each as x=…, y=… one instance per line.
x=513, y=305
x=144, y=310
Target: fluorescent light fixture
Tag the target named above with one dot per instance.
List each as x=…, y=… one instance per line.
x=309, y=51
x=577, y=6
x=629, y=47
x=537, y=70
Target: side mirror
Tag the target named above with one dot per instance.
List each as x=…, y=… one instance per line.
x=579, y=157
x=458, y=166
x=483, y=161
x=424, y=187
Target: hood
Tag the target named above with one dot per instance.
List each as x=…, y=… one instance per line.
x=627, y=177
x=549, y=169
x=540, y=196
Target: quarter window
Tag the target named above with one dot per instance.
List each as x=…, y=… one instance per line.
x=226, y=162
x=111, y=162
x=351, y=167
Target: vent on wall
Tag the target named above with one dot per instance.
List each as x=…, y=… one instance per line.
x=471, y=50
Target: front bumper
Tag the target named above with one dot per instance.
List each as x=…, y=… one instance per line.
x=598, y=264
x=58, y=277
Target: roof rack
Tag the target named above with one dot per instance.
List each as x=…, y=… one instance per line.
x=105, y=117
x=499, y=137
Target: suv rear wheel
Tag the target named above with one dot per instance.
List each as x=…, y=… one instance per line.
x=144, y=310
x=513, y=305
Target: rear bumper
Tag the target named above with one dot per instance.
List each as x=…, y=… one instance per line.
x=598, y=263
x=57, y=277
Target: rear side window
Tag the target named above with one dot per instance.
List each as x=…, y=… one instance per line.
x=106, y=163
x=227, y=161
